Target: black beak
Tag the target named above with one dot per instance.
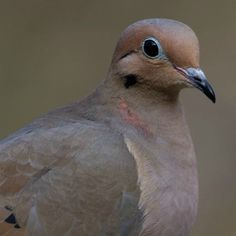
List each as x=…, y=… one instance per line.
x=198, y=79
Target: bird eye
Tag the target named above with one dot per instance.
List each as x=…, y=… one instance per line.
x=151, y=48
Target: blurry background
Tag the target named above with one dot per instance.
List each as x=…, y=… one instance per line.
x=53, y=52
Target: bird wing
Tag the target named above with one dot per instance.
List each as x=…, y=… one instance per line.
x=67, y=179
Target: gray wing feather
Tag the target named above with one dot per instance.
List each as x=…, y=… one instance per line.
x=73, y=178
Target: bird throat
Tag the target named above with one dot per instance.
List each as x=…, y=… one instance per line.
x=132, y=118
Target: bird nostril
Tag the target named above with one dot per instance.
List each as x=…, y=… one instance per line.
x=197, y=78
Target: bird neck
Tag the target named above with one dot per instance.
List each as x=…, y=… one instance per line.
x=145, y=110
x=156, y=134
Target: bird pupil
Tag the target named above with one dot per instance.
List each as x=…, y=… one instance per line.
x=150, y=47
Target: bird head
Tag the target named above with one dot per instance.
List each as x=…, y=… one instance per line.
x=161, y=55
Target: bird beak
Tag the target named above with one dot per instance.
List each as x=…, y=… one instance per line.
x=198, y=79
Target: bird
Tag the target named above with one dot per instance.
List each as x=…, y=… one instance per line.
x=120, y=161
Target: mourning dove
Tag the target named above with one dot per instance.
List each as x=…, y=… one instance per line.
x=119, y=162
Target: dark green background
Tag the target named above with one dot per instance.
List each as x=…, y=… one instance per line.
x=54, y=52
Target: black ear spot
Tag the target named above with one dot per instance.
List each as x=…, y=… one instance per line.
x=130, y=80
x=11, y=219
x=17, y=226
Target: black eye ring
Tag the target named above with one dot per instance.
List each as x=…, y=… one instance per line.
x=151, y=48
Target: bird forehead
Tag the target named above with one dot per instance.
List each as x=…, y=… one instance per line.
x=177, y=40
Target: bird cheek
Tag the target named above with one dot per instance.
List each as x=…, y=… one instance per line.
x=167, y=77
x=128, y=65
x=179, y=79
